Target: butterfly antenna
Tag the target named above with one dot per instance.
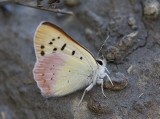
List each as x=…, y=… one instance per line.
x=102, y=45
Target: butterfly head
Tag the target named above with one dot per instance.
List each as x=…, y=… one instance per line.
x=102, y=70
x=101, y=67
x=101, y=62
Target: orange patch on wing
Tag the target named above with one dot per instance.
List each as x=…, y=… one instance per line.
x=44, y=81
x=48, y=91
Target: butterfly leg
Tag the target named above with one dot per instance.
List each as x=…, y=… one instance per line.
x=87, y=89
x=100, y=81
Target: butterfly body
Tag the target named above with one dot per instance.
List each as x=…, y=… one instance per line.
x=63, y=66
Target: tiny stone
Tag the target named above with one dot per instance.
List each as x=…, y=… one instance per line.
x=89, y=34
x=139, y=106
x=112, y=53
x=88, y=31
x=98, y=105
x=119, y=82
x=130, y=69
x=39, y=3
x=142, y=103
x=72, y=3
x=157, y=37
x=151, y=9
x=131, y=21
x=134, y=27
x=53, y=1
x=128, y=40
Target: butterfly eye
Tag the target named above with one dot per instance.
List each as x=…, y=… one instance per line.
x=99, y=62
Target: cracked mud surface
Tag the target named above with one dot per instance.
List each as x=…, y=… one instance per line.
x=137, y=57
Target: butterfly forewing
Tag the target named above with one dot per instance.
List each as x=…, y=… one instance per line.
x=49, y=39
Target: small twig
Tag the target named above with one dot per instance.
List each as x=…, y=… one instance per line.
x=3, y=2
x=47, y=9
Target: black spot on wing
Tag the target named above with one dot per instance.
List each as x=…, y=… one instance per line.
x=53, y=39
x=42, y=46
x=73, y=52
x=54, y=49
x=63, y=46
x=42, y=53
x=50, y=43
x=81, y=58
x=58, y=37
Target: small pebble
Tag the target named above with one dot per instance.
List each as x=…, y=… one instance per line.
x=88, y=33
x=53, y=1
x=112, y=53
x=72, y=3
x=131, y=21
x=119, y=82
x=157, y=37
x=98, y=106
x=139, y=106
x=39, y=4
x=142, y=103
x=151, y=9
x=156, y=63
x=128, y=40
x=131, y=69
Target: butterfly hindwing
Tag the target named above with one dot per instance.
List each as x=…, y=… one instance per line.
x=49, y=38
x=58, y=74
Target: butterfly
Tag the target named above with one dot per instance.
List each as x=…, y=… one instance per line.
x=63, y=65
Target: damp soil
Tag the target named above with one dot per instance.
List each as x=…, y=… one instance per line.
x=133, y=49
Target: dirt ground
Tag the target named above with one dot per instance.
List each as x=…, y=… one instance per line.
x=133, y=49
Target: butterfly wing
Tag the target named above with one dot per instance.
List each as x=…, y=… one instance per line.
x=58, y=74
x=49, y=38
